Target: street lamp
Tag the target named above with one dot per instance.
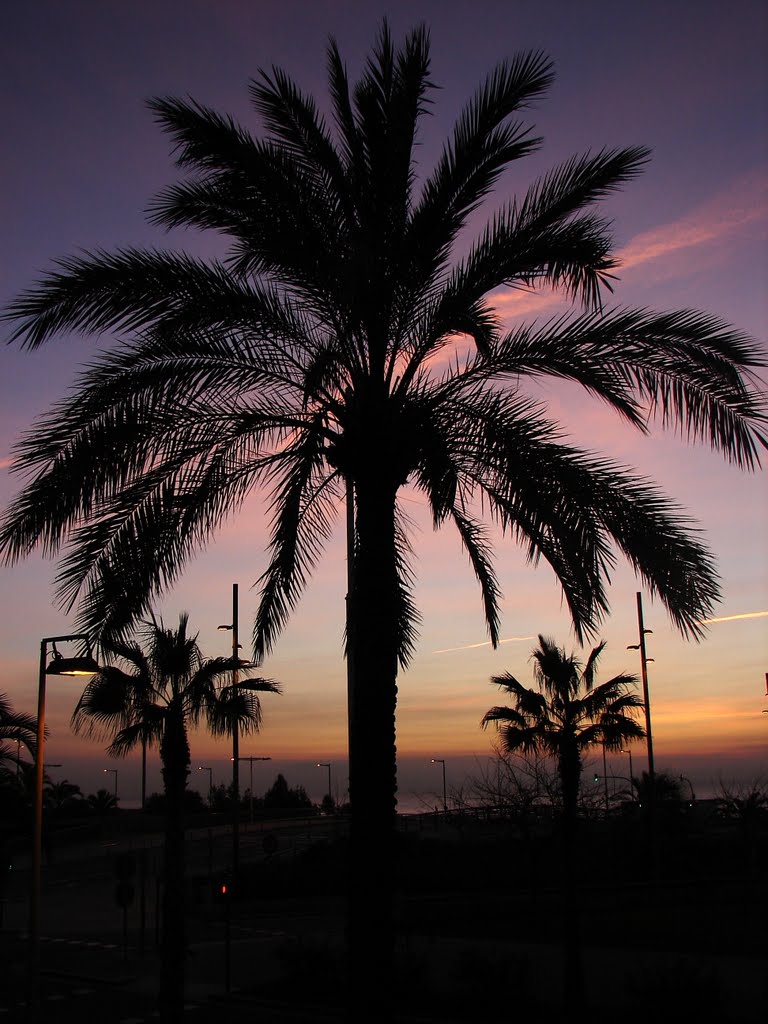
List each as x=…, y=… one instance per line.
x=112, y=771
x=250, y=760
x=684, y=778
x=605, y=779
x=631, y=772
x=205, y=768
x=327, y=764
x=439, y=760
x=83, y=665
x=233, y=626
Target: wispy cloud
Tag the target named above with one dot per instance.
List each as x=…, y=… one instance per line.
x=743, y=203
x=486, y=643
x=6, y=462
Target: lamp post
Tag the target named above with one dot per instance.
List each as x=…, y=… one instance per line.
x=327, y=764
x=606, y=777
x=83, y=665
x=235, y=739
x=439, y=760
x=112, y=771
x=205, y=768
x=629, y=753
x=250, y=761
x=644, y=659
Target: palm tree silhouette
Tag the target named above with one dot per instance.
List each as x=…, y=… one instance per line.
x=567, y=715
x=563, y=719
x=171, y=687
x=16, y=730
x=316, y=362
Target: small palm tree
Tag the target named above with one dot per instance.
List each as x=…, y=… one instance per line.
x=16, y=730
x=563, y=719
x=568, y=715
x=171, y=688
x=102, y=801
x=61, y=796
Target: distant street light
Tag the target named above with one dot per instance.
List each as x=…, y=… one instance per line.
x=250, y=761
x=112, y=771
x=439, y=760
x=204, y=768
x=83, y=665
x=327, y=764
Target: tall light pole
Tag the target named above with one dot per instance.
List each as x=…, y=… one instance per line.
x=250, y=761
x=327, y=764
x=205, y=768
x=112, y=771
x=83, y=665
x=644, y=659
x=439, y=760
x=235, y=738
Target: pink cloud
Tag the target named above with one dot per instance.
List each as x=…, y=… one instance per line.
x=745, y=202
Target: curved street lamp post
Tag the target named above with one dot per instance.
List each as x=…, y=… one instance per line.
x=439, y=760
x=82, y=665
x=112, y=771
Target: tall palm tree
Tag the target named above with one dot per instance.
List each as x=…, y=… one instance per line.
x=567, y=715
x=170, y=688
x=315, y=361
x=16, y=730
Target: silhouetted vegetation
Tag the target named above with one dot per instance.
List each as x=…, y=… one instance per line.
x=171, y=687
x=348, y=272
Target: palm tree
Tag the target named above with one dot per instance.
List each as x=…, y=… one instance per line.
x=315, y=361
x=17, y=730
x=62, y=796
x=567, y=715
x=171, y=687
x=102, y=801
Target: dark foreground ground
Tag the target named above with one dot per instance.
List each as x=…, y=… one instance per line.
x=670, y=931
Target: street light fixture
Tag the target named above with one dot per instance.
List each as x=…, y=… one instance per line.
x=82, y=665
x=439, y=760
x=327, y=764
x=250, y=760
x=112, y=771
x=205, y=768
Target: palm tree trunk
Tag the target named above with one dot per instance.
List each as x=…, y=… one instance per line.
x=175, y=759
x=372, y=630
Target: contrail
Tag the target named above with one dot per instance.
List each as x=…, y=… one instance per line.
x=486, y=643
x=730, y=618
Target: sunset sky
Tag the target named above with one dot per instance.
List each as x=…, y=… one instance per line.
x=81, y=160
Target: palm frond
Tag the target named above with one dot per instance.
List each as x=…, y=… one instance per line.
x=693, y=372
x=304, y=507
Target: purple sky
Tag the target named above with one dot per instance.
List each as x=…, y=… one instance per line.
x=81, y=160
